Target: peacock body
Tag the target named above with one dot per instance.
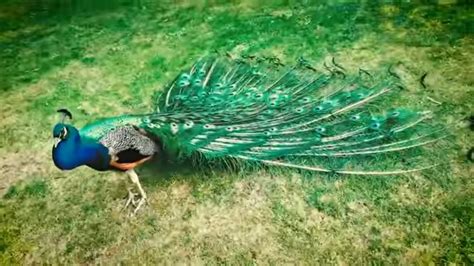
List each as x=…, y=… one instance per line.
x=219, y=109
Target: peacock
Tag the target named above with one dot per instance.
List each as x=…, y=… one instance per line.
x=256, y=113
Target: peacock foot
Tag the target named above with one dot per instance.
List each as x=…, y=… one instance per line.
x=130, y=199
x=134, y=199
x=139, y=203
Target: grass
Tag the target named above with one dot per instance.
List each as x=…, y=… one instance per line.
x=106, y=59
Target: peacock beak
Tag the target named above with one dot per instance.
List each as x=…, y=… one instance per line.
x=56, y=142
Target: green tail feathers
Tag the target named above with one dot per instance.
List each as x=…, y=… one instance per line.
x=295, y=118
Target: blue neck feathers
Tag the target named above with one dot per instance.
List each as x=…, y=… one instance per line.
x=72, y=152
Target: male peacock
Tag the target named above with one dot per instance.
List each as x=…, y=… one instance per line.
x=233, y=110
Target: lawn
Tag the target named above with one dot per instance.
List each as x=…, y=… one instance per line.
x=106, y=58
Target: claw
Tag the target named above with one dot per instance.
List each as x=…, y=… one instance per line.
x=140, y=203
x=131, y=199
x=136, y=203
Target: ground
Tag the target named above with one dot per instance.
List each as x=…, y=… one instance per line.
x=101, y=60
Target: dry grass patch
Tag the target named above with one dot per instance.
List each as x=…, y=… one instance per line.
x=181, y=230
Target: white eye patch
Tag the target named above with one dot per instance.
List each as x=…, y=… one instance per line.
x=63, y=133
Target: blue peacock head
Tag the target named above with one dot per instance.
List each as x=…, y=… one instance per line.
x=62, y=131
x=65, y=138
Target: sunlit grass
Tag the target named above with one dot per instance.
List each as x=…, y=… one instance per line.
x=102, y=61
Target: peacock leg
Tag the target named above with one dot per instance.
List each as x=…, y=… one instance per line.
x=134, y=177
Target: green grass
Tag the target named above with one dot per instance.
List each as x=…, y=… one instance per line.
x=106, y=59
